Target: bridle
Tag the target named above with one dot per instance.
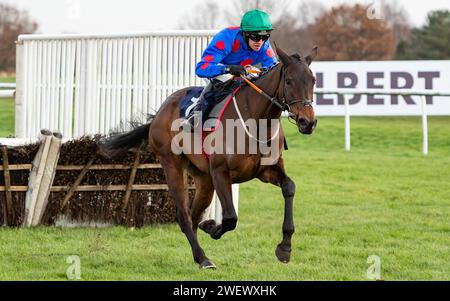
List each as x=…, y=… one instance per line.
x=304, y=101
x=287, y=104
x=284, y=105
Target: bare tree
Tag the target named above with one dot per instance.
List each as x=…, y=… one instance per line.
x=397, y=19
x=277, y=9
x=291, y=19
x=206, y=16
x=308, y=11
x=213, y=14
x=293, y=31
x=13, y=22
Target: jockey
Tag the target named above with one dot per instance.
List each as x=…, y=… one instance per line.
x=231, y=50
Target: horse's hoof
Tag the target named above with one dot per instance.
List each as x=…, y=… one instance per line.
x=283, y=255
x=207, y=264
x=216, y=235
x=207, y=226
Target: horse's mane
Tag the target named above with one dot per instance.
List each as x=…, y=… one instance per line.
x=296, y=56
x=264, y=73
x=267, y=71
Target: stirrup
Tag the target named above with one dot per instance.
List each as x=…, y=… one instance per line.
x=192, y=120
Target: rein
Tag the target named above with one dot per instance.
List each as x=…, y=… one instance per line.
x=273, y=100
x=245, y=126
x=284, y=106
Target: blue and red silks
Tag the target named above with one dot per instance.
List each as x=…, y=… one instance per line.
x=229, y=48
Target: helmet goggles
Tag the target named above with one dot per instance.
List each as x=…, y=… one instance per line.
x=256, y=36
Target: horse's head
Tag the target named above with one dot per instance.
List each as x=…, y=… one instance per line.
x=297, y=88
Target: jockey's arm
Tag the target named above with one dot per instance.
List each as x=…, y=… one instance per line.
x=210, y=65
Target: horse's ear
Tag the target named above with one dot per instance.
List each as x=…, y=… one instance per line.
x=310, y=57
x=297, y=56
x=284, y=57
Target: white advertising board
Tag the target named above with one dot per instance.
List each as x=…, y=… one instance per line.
x=382, y=75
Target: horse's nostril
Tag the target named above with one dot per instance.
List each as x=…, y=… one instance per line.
x=302, y=122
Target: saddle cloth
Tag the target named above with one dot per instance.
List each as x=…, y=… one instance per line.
x=218, y=100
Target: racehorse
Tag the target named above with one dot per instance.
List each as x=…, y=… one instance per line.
x=290, y=86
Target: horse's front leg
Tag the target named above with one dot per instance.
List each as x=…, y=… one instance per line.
x=283, y=250
x=222, y=183
x=276, y=175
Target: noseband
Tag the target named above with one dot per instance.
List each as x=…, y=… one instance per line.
x=287, y=104
x=283, y=105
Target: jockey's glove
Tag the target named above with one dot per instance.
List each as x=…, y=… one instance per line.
x=236, y=70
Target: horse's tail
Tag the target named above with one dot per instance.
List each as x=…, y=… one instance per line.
x=117, y=144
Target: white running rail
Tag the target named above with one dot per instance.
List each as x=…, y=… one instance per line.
x=87, y=84
x=423, y=93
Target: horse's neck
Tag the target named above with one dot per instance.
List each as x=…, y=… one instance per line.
x=256, y=105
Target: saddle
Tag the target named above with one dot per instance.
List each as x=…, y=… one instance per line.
x=214, y=104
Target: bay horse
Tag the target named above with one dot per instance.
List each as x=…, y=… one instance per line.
x=291, y=84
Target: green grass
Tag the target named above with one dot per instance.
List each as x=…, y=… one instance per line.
x=383, y=198
x=7, y=112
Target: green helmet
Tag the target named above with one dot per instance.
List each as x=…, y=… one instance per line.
x=256, y=20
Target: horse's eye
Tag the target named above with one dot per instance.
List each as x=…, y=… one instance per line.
x=288, y=82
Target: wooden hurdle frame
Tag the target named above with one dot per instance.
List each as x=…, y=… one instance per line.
x=42, y=173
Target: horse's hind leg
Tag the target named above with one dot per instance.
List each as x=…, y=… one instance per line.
x=276, y=175
x=174, y=175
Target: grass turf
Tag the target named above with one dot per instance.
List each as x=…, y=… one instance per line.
x=7, y=112
x=383, y=198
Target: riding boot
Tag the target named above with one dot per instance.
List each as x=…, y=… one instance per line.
x=196, y=113
x=216, y=91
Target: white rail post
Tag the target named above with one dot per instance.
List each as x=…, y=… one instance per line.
x=47, y=179
x=20, y=110
x=347, y=122
x=424, y=126
x=36, y=175
x=41, y=178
